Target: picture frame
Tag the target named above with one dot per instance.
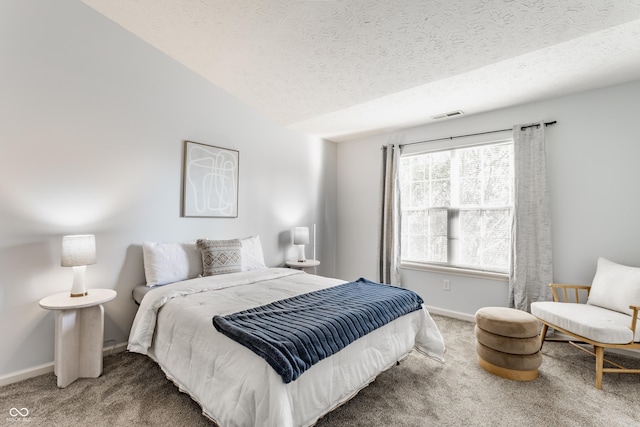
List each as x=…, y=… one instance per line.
x=210, y=181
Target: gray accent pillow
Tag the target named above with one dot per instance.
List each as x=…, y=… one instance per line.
x=220, y=256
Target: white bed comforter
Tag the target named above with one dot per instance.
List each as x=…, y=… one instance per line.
x=236, y=387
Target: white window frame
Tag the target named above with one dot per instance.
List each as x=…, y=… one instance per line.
x=447, y=145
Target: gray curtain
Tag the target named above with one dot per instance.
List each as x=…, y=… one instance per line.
x=531, y=253
x=389, y=244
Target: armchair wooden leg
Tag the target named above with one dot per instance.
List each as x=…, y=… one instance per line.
x=543, y=334
x=599, y=366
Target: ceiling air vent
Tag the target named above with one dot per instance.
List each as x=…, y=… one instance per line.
x=446, y=115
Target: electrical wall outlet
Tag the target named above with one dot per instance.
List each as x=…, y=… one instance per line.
x=446, y=285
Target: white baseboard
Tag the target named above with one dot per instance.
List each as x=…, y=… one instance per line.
x=47, y=368
x=449, y=313
x=114, y=349
x=24, y=374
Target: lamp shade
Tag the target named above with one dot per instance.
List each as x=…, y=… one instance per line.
x=78, y=250
x=301, y=236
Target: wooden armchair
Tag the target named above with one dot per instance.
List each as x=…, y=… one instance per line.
x=589, y=323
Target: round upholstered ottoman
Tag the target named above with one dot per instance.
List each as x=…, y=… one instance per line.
x=508, y=343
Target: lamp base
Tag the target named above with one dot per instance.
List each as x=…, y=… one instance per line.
x=78, y=289
x=301, y=256
x=79, y=295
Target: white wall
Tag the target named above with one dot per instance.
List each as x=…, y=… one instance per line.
x=92, y=123
x=593, y=155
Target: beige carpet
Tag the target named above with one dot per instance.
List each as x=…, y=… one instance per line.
x=419, y=392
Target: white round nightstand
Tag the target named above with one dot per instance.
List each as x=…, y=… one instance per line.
x=302, y=265
x=79, y=333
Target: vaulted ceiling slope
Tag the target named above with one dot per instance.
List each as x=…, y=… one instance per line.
x=346, y=68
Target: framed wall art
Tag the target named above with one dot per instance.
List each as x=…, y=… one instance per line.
x=210, y=181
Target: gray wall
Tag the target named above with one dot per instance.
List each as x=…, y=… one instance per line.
x=92, y=123
x=593, y=154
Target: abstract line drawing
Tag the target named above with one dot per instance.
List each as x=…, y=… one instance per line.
x=210, y=181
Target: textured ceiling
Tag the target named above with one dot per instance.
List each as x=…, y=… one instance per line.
x=343, y=68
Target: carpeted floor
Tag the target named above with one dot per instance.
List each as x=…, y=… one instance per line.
x=133, y=391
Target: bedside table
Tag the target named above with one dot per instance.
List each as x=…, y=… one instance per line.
x=79, y=334
x=302, y=265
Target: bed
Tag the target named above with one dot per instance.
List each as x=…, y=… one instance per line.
x=236, y=387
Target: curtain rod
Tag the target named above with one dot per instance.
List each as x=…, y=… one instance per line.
x=537, y=125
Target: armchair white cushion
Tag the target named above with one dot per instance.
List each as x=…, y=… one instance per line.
x=589, y=321
x=615, y=287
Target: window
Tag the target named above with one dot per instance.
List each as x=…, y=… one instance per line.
x=457, y=206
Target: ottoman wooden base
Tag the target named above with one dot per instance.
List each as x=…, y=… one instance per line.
x=509, y=374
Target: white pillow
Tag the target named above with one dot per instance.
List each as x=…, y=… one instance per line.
x=615, y=286
x=252, y=256
x=170, y=262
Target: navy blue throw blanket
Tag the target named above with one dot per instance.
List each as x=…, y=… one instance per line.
x=294, y=333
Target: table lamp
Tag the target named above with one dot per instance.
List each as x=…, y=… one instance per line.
x=301, y=238
x=78, y=251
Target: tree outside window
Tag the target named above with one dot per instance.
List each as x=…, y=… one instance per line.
x=457, y=206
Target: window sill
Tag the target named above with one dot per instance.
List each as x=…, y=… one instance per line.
x=456, y=271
